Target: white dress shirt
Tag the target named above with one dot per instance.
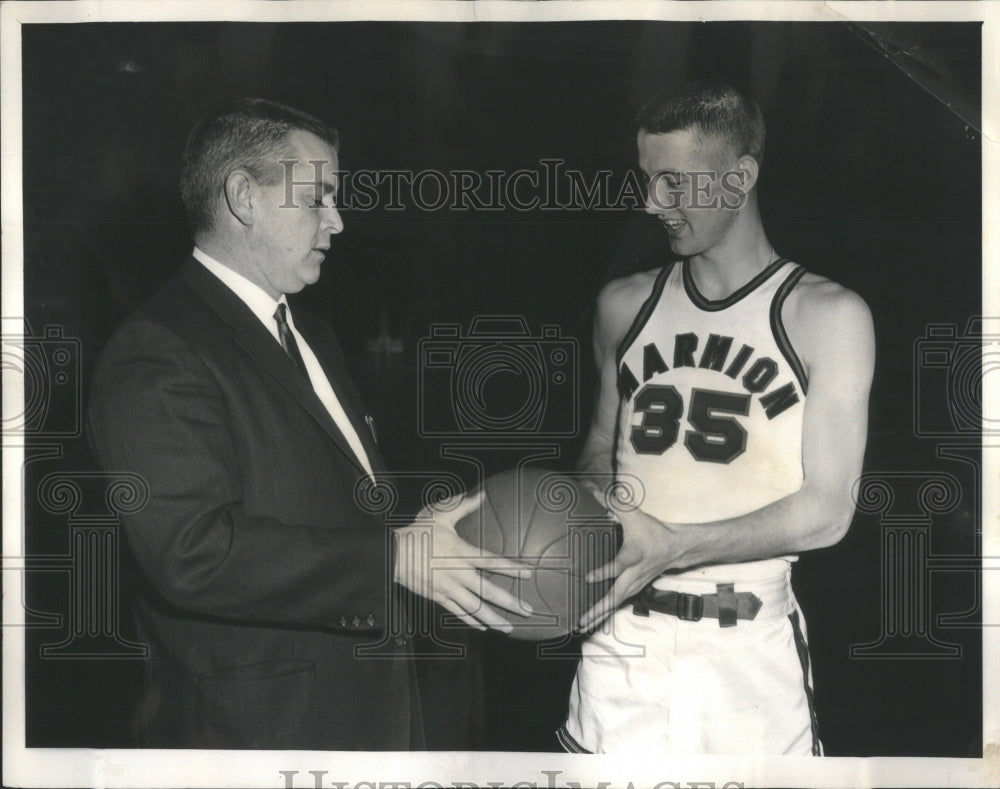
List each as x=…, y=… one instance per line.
x=264, y=307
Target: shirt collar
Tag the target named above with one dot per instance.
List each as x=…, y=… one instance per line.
x=259, y=302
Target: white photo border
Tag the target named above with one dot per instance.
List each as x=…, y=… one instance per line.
x=160, y=768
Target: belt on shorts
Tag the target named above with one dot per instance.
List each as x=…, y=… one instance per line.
x=726, y=605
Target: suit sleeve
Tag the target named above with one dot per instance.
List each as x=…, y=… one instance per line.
x=156, y=410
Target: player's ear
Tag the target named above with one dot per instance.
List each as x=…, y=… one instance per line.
x=738, y=182
x=238, y=190
x=749, y=172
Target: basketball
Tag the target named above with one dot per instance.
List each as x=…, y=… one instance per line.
x=553, y=524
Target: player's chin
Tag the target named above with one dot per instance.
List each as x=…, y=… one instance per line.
x=678, y=247
x=683, y=244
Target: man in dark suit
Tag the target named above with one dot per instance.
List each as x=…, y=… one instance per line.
x=260, y=573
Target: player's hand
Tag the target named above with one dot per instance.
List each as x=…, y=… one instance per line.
x=645, y=553
x=434, y=562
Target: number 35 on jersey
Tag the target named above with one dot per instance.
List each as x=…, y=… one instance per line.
x=713, y=429
x=712, y=398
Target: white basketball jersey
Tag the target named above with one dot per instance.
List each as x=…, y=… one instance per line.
x=712, y=396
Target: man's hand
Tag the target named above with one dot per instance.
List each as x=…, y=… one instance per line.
x=645, y=553
x=832, y=329
x=434, y=562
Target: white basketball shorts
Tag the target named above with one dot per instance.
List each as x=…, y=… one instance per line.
x=661, y=684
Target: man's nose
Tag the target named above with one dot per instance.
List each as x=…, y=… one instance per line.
x=654, y=205
x=332, y=221
x=661, y=201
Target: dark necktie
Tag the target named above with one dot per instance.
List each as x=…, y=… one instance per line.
x=288, y=339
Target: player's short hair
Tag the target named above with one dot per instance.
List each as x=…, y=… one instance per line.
x=250, y=134
x=711, y=110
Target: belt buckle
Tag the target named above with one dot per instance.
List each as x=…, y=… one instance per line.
x=689, y=606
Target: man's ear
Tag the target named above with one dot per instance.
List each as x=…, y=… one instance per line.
x=750, y=172
x=238, y=189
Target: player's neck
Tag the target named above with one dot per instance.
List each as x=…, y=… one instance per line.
x=725, y=268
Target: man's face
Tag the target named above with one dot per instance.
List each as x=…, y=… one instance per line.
x=293, y=219
x=691, y=191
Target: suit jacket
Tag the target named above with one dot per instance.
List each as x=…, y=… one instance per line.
x=260, y=573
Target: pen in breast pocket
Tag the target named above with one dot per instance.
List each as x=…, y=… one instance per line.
x=371, y=426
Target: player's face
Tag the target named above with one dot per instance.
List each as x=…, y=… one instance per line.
x=294, y=219
x=689, y=190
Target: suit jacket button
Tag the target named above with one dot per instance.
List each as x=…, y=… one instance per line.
x=370, y=620
x=343, y=621
x=356, y=621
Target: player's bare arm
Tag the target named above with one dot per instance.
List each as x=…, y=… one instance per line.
x=617, y=306
x=831, y=329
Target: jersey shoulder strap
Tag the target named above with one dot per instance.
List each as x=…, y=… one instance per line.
x=642, y=317
x=778, y=326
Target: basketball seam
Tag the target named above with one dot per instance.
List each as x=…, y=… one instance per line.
x=530, y=524
x=496, y=519
x=524, y=541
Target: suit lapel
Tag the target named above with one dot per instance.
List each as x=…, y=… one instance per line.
x=264, y=350
x=324, y=344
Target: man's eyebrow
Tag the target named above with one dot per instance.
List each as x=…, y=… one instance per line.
x=329, y=187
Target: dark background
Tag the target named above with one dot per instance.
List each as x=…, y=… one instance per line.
x=869, y=179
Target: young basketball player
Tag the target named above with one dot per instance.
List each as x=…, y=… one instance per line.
x=734, y=385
